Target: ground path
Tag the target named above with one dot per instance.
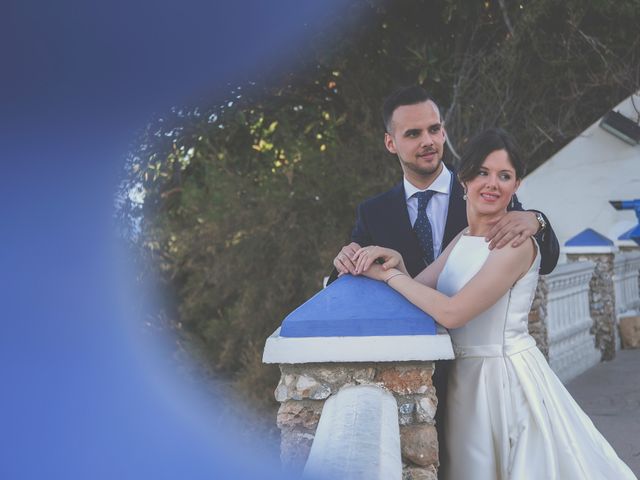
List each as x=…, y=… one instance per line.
x=610, y=394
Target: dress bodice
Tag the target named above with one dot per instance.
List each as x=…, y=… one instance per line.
x=501, y=329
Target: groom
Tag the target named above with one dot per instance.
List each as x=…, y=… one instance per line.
x=420, y=225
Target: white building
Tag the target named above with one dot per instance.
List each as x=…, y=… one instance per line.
x=573, y=188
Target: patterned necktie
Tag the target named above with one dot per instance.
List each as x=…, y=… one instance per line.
x=422, y=227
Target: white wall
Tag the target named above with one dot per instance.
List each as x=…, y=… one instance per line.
x=573, y=188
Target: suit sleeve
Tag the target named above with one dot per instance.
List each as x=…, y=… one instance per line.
x=547, y=240
x=359, y=234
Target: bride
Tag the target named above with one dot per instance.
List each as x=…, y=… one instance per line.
x=508, y=415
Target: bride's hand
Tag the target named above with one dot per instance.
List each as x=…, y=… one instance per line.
x=365, y=257
x=376, y=272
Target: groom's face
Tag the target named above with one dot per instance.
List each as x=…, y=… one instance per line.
x=417, y=136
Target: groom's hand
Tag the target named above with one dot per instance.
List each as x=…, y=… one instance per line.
x=344, y=260
x=515, y=226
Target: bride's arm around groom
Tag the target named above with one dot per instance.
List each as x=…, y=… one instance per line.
x=502, y=269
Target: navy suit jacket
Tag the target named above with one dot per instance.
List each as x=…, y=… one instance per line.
x=383, y=220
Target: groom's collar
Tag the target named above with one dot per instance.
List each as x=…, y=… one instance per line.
x=442, y=184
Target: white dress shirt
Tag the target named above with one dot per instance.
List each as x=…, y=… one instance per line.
x=436, y=209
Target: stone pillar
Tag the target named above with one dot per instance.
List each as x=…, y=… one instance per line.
x=538, y=317
x=359, y=332
x=303, y=388
x=590, y=245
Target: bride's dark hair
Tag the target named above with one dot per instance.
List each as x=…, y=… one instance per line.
x=479, y=148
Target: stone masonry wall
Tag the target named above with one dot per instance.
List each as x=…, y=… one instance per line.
x=304, y=387
x=538, y=317
x=602, y=302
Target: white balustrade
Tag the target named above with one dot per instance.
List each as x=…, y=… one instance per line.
x=572, y=347
x=626, y=268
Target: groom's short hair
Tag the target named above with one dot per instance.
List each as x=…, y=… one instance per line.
x=410, y=95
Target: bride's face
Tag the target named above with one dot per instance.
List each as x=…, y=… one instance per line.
x=491, y=190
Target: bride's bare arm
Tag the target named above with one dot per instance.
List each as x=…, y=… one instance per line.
x=501, y=270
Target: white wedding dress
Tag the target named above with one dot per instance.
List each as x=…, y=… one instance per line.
x=508, y=416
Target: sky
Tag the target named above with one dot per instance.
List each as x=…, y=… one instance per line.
x=83, y=394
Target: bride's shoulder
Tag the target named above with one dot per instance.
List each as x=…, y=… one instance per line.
x=523, y=254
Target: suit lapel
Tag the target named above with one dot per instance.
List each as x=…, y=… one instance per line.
x=399, y=206
x=399, y=217
x=457, y=212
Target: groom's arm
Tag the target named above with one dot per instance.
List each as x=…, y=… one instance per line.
x=520, y=225
x=549, y=246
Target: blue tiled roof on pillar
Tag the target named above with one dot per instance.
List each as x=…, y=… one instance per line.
x=357, y=306
x=589, y=238
x=632, y=234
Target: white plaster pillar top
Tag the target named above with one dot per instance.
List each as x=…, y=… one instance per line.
x=393, y=348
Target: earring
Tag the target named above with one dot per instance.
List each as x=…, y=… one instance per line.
x=464, y=196
x=512, y=202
